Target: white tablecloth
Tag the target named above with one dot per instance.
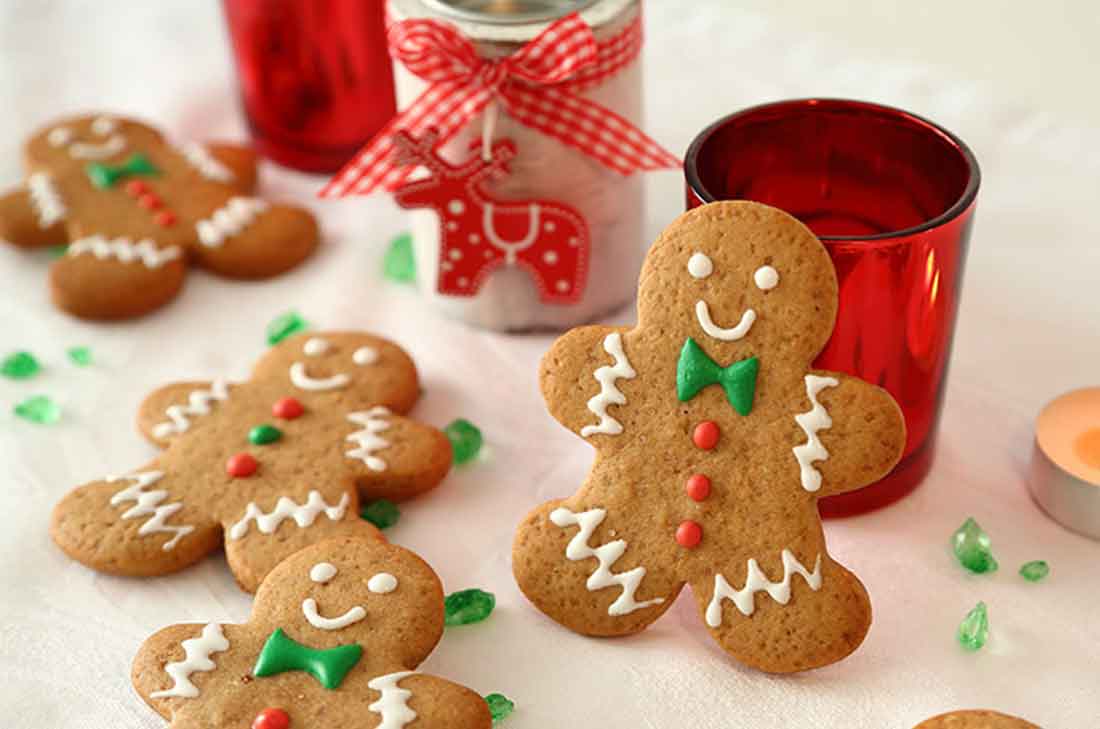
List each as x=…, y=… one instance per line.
x=1027, y=331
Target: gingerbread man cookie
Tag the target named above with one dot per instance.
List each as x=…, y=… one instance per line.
x=975, y=719
x=714, y=441
x=136, y=210
x=335, y=635
x=269, y=465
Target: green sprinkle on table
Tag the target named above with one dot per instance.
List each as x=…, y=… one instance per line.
x=285, y=325
x=972, y=548
x=383, y=513
x=974, y=629
x=80, y=356
x=500, y=707
x=20, y=366
x=468, y=606
x=1034, y=571
x=399, y=264
x=465, y=440
x=38, y=409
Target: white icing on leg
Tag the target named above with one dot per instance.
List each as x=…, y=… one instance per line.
x=367, y=439
x=229, y=220
x=607, y=555
x=198, y=403
x=756, y=581
x=45, y=199
x=813, y=420
x=393, y=705
x=609, y=393
x=197, y=652
x=147, y=503
x=207, y=165
x=125, y=250
x=285, y=508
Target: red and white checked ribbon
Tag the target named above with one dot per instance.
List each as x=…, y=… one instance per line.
x=536, y=86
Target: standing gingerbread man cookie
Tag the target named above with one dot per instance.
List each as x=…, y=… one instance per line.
x=714, y=440
x=136, y=211
x=269, y=466
x=335, y=635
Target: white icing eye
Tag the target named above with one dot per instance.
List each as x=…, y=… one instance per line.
x=103, y=126
x=322, y=572
x=382, y=583
x=315, y=346
x=365, y=356
x=700, y=265
x=59, y=136
x=766, y=278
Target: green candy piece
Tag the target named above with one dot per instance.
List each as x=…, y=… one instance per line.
x=468, y=606
x=972, y=548
x=80, y=356
x=38, y=409
x=465, y=440
x=105, y=176
x=20, y=366
x=383, y=513
x=695, y=370
x=285, y=325
x=399, y=264
x=58, y=251
x=1035, y=571
x=974, y=629
x=500, y=707
x=281, y=653
x=264, y=434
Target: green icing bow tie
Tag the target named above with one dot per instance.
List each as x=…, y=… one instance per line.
x=105, y=176
x=696, y=370
x=282, y=653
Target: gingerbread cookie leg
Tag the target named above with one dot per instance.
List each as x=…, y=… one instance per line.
x=103, y=277
x=575, y=565
x=32, y=217
x=394, y=457
x=250, y=238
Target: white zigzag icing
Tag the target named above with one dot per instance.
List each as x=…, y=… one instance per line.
x=815, y=419
x=148, y=504
x=196, y=657
x=607, y=555
x=45, y=199
x=229, y=220
x=367, y=439
x=198, y=403
x=756, y=581
x=394, y=702
x=285, y=508
x=125, y=250
x=609, y=394
x=200, y=158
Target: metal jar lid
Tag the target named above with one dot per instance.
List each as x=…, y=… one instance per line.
x=506, y=12
x=1061, y=482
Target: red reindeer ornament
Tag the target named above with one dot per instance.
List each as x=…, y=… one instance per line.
x=479, y=233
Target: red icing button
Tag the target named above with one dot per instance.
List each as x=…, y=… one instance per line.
x=165, y=218
x=136, y=188
x=689, y=534
x=697, y=487
x=271, y=719
x=287, y=408
x=241, y=465
x=706, y=435
x=149, y=201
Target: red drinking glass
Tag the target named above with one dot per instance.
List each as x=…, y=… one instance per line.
x=892, y=196
x=315, y=77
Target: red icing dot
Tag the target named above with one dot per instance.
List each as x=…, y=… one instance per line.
x=165, y=218
x=271, y=719
x=706, y=435
x=689, y=534
x=136, y=188
x=287, y=408
x=241, y=465
x=149, y=201
x=697, y=487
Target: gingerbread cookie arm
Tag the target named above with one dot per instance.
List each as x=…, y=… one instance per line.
x=179, y=664
x=241, y=161
x=32, y=220
x=249, y=238
x=432, y=702
x=172, y=410
x=393, y=457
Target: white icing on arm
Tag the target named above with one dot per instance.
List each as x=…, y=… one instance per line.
x=229, y=220
x=609, y=393
x=45, y=199
x=285, y=508
x=207, y=165
x=393, y=705
x=124, y=250
x=147, y=503
x=813, y=420
x=367, y=439
x=197, y=652
x=756, y=581
x=198, y=403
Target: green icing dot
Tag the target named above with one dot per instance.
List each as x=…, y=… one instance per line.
x=465, y=440
x=972, y=548
x=382, y=513
x=1035, y=571
x=285, y=325
x=468, y=606
x=58, y=251
x=264, y=434
x=80, y=356
x=399, y=263
x=974, y=629
x=20, y=366
x=500, y=707
x=39, y=409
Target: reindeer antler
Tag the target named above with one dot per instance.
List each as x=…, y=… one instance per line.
x=410, y=150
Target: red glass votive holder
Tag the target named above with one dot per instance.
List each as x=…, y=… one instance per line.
x=892, y=196
x=315, y=77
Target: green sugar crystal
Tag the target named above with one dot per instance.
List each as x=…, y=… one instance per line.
x=38, y=409
x=500, y=707
x=382, y=513
x=399, y=264
x=20, y=366
x=468, y=606
x=285, y=325
x=80, y=356
x=974, y=629
x=264, y=434
x=1035, y=571
x=465, y=440
x=972, y=548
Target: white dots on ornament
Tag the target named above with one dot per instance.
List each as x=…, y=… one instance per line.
x=463, y=282
x=550, y=257
x=455, y=254
x=487, y=253
x=766, y=278
x=452, y=226
x=322, y=572
x=700, y=266
x=59, y=136
x=104, y=126
x=474, y=239
x=382, y=583
x=365, y=356
x=549, y=226
x=446, y=266
x=315, y=346
x=456, y=207
x=562, y=285
x=574, y=241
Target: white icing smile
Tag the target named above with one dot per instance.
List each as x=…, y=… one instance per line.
x=351, y=617
x=87, y=150
x=700, y=266
x=317, y=346
x=732, y=334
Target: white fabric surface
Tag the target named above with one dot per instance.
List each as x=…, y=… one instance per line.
x=1028, y=331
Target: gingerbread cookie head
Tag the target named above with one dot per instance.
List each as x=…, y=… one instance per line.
x=68, y=146
x=975, y=719
x=335, y=635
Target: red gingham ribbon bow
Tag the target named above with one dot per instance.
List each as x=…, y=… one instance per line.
x=535, y=86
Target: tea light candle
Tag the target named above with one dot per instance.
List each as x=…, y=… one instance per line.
x=1065, y=465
